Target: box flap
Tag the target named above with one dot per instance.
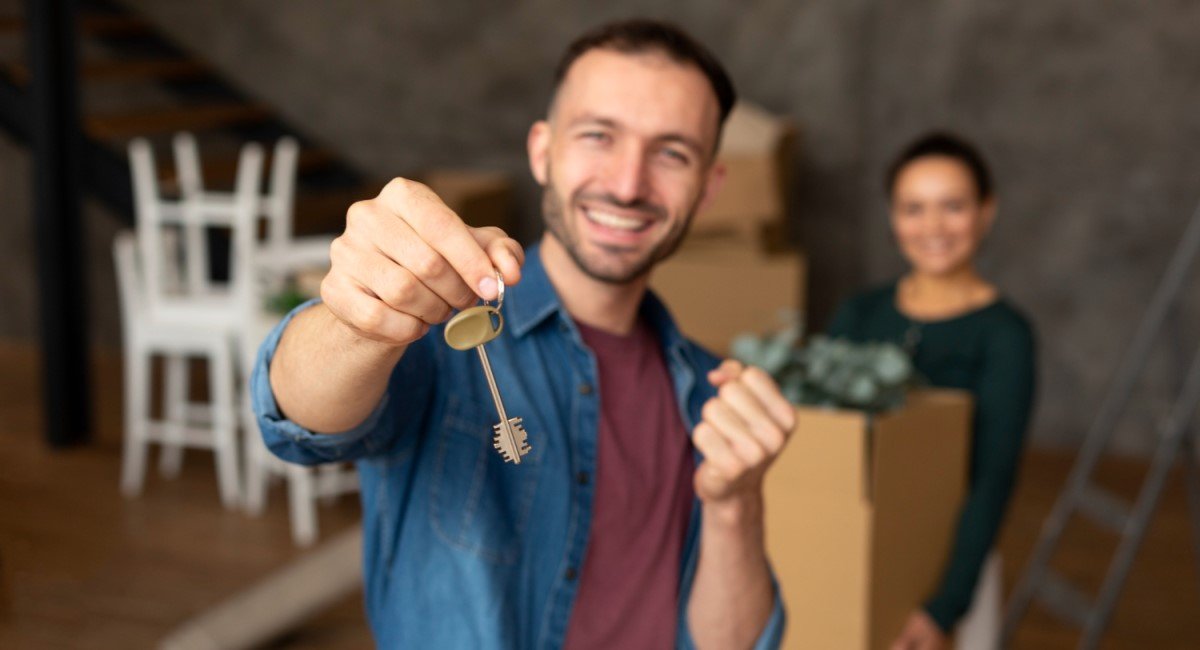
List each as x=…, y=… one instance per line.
x=919, y=479
x=818, y=548
x=827, y=454
x=818, y=530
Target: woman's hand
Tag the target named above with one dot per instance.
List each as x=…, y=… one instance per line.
x=921, y=633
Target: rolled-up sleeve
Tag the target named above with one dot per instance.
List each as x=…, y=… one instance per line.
x=770, y=638
x=294, y=443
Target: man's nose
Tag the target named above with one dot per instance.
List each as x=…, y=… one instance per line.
x=625, y=176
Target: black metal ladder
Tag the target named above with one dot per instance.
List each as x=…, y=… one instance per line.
x=1081, y=496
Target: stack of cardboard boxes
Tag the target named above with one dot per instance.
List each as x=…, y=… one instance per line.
x=735, y=272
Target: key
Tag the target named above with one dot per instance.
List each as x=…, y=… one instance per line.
x=472, y=328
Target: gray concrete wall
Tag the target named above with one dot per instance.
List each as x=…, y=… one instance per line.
x=1090, y=113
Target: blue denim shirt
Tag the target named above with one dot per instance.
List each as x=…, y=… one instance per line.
x=462, y=550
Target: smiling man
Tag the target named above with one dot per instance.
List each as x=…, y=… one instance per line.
x=636, y=519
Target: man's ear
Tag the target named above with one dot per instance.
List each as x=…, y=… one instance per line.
x=537, y=144
x=712, y=184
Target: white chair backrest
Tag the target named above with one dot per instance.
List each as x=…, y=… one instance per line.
x=191, y=217
x=280, y=199
x=277, y=203
x=130, y=292
x=187, y=165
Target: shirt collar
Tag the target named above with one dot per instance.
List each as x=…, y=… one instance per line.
x=534, y=300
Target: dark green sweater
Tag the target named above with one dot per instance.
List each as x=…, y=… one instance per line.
x=989, y=352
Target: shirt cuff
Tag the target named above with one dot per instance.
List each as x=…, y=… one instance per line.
x=771, y=637
x=289, y=440
x=772, y=634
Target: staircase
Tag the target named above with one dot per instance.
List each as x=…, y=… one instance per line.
x=135, y=82
x=132, y=81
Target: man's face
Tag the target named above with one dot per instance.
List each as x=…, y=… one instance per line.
x=625, y=160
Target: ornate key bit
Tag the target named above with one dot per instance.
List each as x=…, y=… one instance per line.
x=471, y=329
x=506, y=444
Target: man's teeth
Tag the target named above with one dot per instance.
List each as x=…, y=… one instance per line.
x=615, y=221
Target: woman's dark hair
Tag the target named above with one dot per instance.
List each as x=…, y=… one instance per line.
x=639, y=35
x=943, y=144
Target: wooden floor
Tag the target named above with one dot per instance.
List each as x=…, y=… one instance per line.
x=81, y=567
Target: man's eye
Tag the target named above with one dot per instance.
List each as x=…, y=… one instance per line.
x=675, y=155
x=595, y=136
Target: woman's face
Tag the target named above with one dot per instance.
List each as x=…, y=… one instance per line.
x=937, y=215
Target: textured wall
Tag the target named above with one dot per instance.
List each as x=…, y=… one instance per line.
x=1090, y=113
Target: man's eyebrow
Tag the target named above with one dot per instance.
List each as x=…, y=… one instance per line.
x=590, y=118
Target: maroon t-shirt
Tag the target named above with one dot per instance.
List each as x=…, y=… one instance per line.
x=629, y=587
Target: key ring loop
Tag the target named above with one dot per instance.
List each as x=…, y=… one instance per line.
x=499, y=292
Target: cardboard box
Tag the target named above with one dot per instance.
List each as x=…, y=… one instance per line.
x=860, y=516
x=717, y=289
x=756, y=149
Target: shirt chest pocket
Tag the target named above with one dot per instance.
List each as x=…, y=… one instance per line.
x=479, y=503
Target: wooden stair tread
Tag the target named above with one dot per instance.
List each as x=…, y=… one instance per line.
x=95, y=24
x=117, y=126
x=324, y=211
x=119, y=71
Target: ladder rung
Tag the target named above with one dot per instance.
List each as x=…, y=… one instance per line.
x=1063, y=599
x=1104, y=508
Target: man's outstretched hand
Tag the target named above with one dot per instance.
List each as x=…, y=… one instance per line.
x=406, y=261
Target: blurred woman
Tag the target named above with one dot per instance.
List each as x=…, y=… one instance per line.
x=961, y=333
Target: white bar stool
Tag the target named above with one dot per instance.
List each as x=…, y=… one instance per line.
x=171, y=307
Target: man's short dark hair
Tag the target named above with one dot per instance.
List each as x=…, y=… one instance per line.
x=641, y=35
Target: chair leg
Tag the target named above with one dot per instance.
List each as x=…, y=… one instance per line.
x=302, y=503
x=224, y=427
x=254, y=454
x=137, y=414
x=175, y=394
x=330, y=473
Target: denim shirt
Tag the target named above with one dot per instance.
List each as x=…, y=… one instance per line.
x=463, y=550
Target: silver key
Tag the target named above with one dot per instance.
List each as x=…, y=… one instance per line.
x=472, y=328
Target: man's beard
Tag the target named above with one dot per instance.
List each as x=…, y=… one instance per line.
x=554, y=213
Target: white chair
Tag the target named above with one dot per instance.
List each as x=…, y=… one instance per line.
x=171, y=307
x=305, y=484
x=274, y=259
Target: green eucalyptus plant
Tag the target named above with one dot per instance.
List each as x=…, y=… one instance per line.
x=287, y=298
x=830, y=372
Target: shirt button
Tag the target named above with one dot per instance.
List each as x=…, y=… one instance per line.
x=585, y=389
x=570, y=575
x=582, y=478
